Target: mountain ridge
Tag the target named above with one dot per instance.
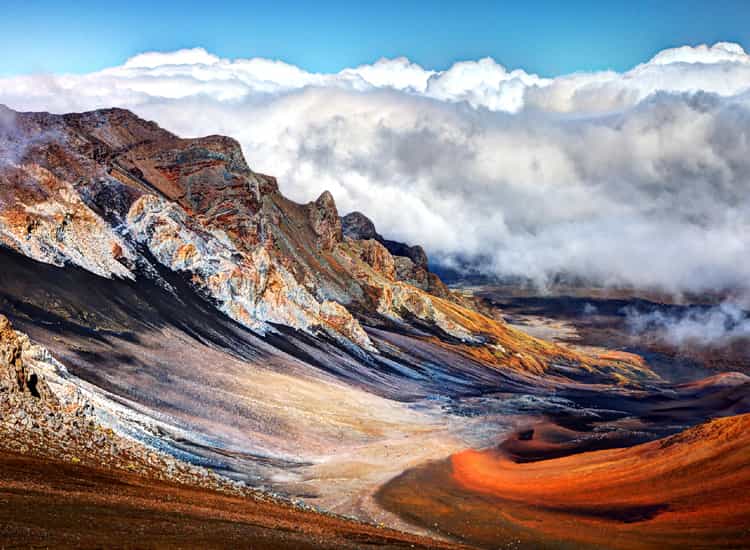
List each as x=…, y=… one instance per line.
x=97, y=189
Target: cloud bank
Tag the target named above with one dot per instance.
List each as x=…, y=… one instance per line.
x=639, y=178
x=718, y=325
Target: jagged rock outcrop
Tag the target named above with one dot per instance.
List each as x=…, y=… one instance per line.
x=359, y=227
x=28, y=373
x=410, y=262
x=325, y=221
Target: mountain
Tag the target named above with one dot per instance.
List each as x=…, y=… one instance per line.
x=123, y=199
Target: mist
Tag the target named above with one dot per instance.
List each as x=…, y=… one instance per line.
x=703, y=326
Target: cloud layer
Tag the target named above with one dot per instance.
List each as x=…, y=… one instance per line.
x=638, y=178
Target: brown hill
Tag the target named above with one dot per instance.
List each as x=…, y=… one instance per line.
x=690, y=490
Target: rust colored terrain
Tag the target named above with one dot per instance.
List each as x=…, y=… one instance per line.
x=690, y=490
x=52, y=504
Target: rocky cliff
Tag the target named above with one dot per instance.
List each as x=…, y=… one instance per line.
x=410, y=263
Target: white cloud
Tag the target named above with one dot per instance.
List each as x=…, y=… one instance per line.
x=722, y=69
x=718, y=53
x=398, y=73
x=153, y=60
x=483, y=83
x=718, y=325
x=635, y=178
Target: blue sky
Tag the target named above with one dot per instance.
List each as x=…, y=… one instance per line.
x=540, y=36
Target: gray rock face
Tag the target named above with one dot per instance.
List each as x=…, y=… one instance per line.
x=357, y=226
x=415, y=253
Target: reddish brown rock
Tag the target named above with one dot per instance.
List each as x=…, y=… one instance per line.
x=377, y=257
x=10, y=356
x=410, y=262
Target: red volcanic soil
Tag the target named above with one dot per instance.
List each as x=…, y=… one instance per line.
x=689, y=490
x=52, y=504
